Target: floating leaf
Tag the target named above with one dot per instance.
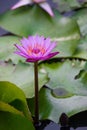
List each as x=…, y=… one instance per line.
x=81, y=17
x=62, y=32
x=8, y=48
x=12, y=115
x=37, y=22
x=71, y=94
x=67, y=48
x=67, y=5
x=8, y=108
x=52, y=107
x=11, y=121
x=22, y=75
x=81, y=51
x=62, y=75
x=11, y=94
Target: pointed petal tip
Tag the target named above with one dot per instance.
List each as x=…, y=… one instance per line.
x=47, y=8
x=21, y=3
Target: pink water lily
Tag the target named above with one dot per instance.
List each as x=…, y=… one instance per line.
x=42, y=3
x=35, y=48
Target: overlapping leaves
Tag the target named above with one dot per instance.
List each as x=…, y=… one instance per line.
x=10, y=121
x=59, y=27
x=37, y=22
x=68, y=78
x=22, y=75
x=13, y=108
x=63, y=76
x=71, y=90
x=8, y=48
x=69, y=5
x=81, y=18
x=81, y=50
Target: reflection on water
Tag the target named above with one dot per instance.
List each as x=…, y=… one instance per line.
x=50, y=125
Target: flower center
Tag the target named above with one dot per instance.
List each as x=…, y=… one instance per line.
x=36, y=50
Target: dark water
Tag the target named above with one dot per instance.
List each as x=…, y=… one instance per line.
x=76, y=122
x=79, y=121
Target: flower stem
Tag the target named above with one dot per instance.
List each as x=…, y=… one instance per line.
x=36, y=93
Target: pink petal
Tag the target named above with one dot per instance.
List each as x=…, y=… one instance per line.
x=17, y=46
x=22, y=50
x=21, y=3
x=47, y=43
x=37, y=45
x=21, y=54
x=40, y=40
x=25, y=42
x=42, y=58
x=50, y=48
x=32, y=41
x=32, y=59
x=49, y=56
x=47, y=8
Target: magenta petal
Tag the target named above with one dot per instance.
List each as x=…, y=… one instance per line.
x=21, y=49
x=25, y=43
x=21, y=54
x=50, y=56
x=47, y=8
x=42, y=58
x=35, y=48
x=51, y=47
x=32, y=59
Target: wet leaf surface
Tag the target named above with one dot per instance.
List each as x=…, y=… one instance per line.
x=71, y=94
x=11, y=21
x=62, y=76
x=12, y=121
x=22, y=75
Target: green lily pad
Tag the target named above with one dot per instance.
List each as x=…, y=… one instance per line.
x=81, y=51
x=67, y=5
x=8, y=48
x=12, y=115
x=67, y=48
x=11, y=121
x=8, y=108
x=22, y=75
x=52, y=107
x=74, y=4
x=62, y=75
x=71, y=84
x=11, y=94
x=37, y=22
x=81, y=17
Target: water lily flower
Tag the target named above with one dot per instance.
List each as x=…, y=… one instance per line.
x=42, y=3
x=35, y=48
